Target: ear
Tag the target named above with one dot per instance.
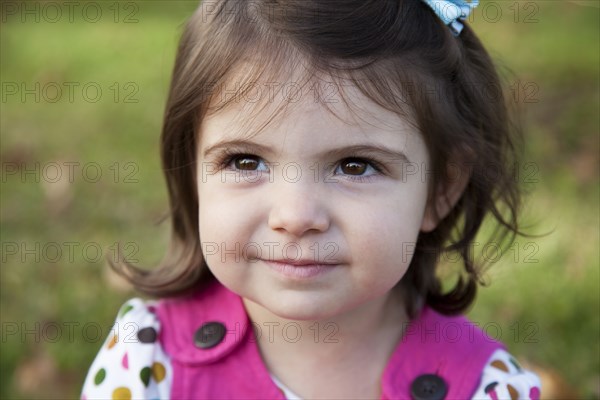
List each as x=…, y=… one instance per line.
x=446, y=195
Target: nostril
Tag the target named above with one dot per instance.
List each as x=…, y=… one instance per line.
x=297, y=208
x=298, y=220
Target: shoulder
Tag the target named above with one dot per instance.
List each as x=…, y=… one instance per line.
x=131, y=362
x=504, y=378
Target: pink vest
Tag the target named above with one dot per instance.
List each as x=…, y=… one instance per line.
x=451, y=348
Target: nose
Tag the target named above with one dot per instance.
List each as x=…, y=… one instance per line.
x=298, y=208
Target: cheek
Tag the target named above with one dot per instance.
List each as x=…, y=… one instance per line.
x=217, y=237
x=217, y=216
x=394, y=217
x=227, y=224
x=386, y=236
x=391, y=242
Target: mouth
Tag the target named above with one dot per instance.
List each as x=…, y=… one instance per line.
x=300, y=269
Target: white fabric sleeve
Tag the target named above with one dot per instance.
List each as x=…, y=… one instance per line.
x=504, y=378
x=131, y=363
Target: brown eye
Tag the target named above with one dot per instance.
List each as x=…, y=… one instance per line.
x=248, y=163
x=353, y=167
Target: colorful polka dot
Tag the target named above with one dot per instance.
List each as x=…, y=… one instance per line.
x=125, y=368
x=516, y=364
x=126, y=308
x=499, y=365
x=490, y=387
x=514, y=393
x=121, y=393
x=99, y=377
x=145, y=374
x=491, y=390
x=147, y=335
x=534, y=393
x=158, y=372
x=112, y=342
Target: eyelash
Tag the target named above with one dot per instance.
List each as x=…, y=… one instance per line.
x=374, y=165
x=228, y=158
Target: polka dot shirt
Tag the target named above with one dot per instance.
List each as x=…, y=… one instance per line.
x=132, y=365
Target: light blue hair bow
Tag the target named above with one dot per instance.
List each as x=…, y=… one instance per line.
x=452, y=11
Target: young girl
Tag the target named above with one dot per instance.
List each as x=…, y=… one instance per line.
x=320, y=156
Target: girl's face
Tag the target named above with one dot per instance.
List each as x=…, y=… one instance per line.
x=313, y=216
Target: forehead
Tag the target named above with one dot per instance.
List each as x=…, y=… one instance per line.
x=319, y=103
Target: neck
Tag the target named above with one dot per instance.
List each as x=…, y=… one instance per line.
x=345, y=352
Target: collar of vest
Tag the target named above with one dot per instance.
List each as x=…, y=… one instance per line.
x=181, y=319
x=453, y=348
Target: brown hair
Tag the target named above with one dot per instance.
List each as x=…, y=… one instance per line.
x=402, y=57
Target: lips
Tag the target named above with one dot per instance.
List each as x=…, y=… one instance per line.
x=301, y=263
x=300, y=269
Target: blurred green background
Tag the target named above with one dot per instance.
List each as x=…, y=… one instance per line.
x=83, y=90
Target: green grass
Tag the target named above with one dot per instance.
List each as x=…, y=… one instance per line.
x=548, y=310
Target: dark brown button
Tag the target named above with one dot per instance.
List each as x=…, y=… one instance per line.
x=209, y=335
x=428, y=387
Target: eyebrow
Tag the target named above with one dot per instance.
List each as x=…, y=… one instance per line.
x=369, y=149
x=238, y=144
x=347, y=151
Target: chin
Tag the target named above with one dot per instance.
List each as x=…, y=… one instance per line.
x=302, y=315
x=297, y=310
